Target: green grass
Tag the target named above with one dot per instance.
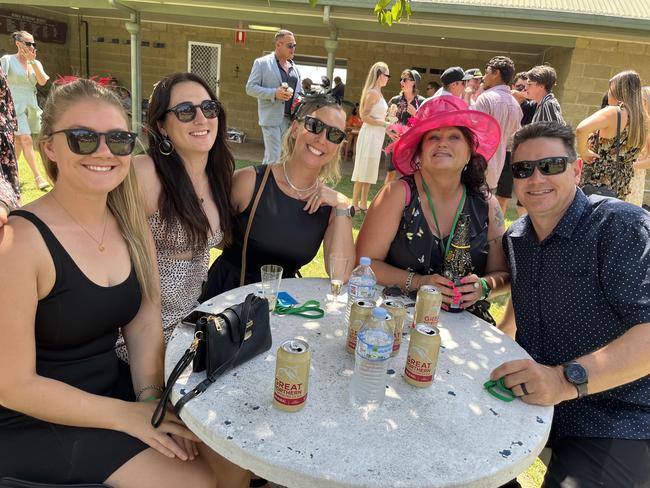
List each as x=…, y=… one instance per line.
x=532, y=478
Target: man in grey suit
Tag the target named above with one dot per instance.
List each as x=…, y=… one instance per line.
x=275, y=81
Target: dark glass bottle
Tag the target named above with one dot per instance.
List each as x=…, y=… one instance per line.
x=458, y=261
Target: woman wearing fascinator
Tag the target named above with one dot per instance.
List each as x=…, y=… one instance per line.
x=411, y=223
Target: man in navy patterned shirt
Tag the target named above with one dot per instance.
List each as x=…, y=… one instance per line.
x=580, y=271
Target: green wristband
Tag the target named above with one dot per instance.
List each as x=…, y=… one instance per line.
x=485, y=288
x=151, y=398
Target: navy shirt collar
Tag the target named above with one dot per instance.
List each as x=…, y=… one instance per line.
x=565, y=227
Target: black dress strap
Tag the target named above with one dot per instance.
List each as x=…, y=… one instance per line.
x=57, y=251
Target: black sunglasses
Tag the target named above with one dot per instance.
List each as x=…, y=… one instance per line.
x=186, y=111
x=86, y=141
x=28, y=43
x=291, y=45
x=547, y=166
x=316, y=126
x=396, y=291
x=406, y=79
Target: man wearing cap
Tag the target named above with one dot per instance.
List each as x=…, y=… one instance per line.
x=275, y=82
x=580, y=288
x=497, y=101
x=473, y=87
x=453, y=82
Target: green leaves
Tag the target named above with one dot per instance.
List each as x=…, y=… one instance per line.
x=387, y=14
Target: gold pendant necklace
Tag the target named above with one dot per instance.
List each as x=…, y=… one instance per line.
x=100, y=243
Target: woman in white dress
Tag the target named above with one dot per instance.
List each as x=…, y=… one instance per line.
x=371, y=136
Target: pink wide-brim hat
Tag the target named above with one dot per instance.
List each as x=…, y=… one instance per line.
x=445, y=111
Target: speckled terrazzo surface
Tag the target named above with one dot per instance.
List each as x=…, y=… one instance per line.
x=451, y=434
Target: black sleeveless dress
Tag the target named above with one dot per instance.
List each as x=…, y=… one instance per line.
x=282, y=233
x=75, y=331
x=416, y=249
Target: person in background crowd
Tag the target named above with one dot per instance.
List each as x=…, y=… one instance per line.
x=295, y=206
x=539, y=88
x=275, y=82
x=610, y=159
x=407, y=104
x=580, y=291
x=518, y=90
x=307, y=86
x=338, y=91
x=23, y=72
x=77, y=265
x=432, y=88
x=443, y=156
x=643, y=162
x=185, y=179
x=497, y=101
x=373, y=110
x=453, y=82
x=9, y=183
x=473, y=86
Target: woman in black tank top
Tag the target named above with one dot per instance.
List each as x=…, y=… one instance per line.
x=296, y=211
x=410, y=225
x=75, y=267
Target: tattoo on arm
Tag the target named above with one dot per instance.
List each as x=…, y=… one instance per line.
x=498, y=216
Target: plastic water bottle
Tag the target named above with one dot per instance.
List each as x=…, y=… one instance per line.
x=374, y=347
x=361, y=284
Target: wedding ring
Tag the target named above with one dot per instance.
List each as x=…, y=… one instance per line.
x=317, y=196
x=476, y=285
x=523, y=389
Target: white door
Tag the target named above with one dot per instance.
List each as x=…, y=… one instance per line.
x=204, y=60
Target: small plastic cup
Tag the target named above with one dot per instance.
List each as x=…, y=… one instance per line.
x=271, y=278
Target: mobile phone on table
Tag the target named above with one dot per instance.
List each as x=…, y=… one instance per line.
x=193, y=317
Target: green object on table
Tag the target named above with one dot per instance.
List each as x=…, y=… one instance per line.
x=499, y=390
x=310, y=310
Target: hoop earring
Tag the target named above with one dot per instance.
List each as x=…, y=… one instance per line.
x=166, y=147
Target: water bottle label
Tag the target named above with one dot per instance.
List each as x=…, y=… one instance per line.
x=361, y=291
x=373, y=351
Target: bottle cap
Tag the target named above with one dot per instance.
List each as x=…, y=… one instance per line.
x=379, y=313
x=364, y=261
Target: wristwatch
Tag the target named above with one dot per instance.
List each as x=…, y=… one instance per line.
x=345, y=212
x=577, y=375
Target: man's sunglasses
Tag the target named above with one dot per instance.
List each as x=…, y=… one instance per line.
x=186, y=111
x=404, y=80
x=291, y=45
x=547, y=166
x=316, y=126
x=29, y=44
x=86, y=141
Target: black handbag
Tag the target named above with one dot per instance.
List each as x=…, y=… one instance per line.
x=16, y=483
x=221, y=341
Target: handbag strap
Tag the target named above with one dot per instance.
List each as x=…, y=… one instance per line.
x=256, y=201
x=201, y=387
x=187, y=358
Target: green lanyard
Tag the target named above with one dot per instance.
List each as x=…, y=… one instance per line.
x=444, y=247
x=310, y=309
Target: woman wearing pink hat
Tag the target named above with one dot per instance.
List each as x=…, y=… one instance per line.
x=410, y=223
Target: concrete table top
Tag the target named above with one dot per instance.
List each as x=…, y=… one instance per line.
x=451, y=434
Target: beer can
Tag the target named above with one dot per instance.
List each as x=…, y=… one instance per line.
x=427, y=306
x=292, y=375
x=397, y=313
x=360, y=312
x=422, y=356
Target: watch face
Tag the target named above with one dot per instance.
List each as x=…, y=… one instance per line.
x=575, y=373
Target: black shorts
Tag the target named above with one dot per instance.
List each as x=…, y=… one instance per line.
x=589, y=462
x=504, y=186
